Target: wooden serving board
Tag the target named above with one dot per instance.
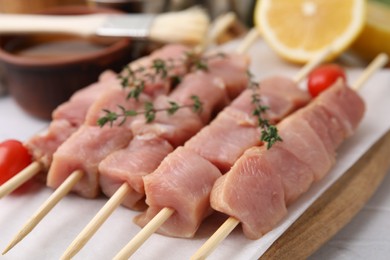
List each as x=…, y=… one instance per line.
x=336, y=207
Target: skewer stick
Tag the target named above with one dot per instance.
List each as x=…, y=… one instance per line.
x=312, y=64
x=57, y=195
x=97, y=221
x=221, y=24
x=379, y=61
x=248, y=41
x=20, y=178
x=148, y=230
x=222, y=232
x=114, y=202
x=225, y=229
x=212, y=243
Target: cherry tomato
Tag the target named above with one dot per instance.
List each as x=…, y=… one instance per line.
x=323, y=77
x=14, y=157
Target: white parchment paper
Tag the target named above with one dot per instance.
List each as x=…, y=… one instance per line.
x=52, y=236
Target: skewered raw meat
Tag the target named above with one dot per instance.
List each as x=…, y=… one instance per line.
x=175, y=129
x=199, y=178
x=262, y=183
x=222, y=145
x=72, y=113
x=66, y=120
x=173, y=185
x=140, y=157
x=179, y=127
x=69, y=156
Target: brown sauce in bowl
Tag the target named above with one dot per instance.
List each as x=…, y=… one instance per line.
x=52, y=47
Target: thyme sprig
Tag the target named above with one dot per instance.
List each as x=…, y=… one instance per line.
x=196, y=62
x=135, y=79
x=269, y=132
x=149, y=112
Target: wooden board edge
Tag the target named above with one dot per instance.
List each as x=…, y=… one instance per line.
x=336, y=207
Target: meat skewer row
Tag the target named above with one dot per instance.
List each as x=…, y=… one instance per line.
x=326, y=122
x=93, y=114
x=89, y=127
x=68, y=117
x=43, y=145
x=187, y=156
x=146, y=151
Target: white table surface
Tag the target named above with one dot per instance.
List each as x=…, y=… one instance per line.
x=367, y=236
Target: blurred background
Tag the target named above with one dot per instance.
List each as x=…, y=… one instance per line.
x=243, y=8
x=374, y=38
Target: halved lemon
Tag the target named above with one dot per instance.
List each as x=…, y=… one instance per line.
x=299, y=30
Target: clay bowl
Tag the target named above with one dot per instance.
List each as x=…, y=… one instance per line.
x=43, y=71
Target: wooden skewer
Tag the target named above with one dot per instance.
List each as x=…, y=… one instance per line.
x=379, y=61
x=96, y=222
x=225, y=229
x=57, y=195
x=248, y=41
x=118, y=197
x=20, y=178
x=143, y=235
x=221, y=24
x=146, y=232
x=212, y=243
x=312, y=64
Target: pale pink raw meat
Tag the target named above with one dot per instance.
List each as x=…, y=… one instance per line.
x=235, y=129
x=211, y=91
x=110, y=100
x=43, y=145
x=225, y=139
x=174, y=56
x=258, y=181
x=183, y=182
x=175, y=129
x=75, y=109
x=184, y=123
x=302, y=141
x=280, y=94
x=303, y=157
x=66, y=119
x=141, y=157
x=83, y=151
x=296, y=175
x=232, y=69
x=344, y=105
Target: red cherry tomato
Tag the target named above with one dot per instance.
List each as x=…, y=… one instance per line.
x=323, y=77
x=14, y=157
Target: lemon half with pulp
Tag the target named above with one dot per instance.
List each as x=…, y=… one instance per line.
x=298, y=30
